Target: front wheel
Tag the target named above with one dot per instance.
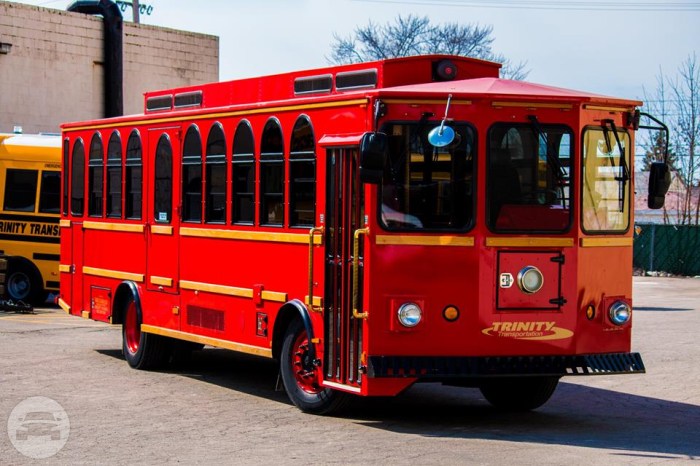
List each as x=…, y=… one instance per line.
x=24, y=284
x=519, y=393
x=300, y=377
x=141, y=350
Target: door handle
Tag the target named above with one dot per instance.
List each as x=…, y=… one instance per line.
x=355, y=272
x=310, y=301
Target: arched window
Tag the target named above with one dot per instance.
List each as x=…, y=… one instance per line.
x=77, y=181
x=114, y=176
x=163, y=183
x=215, y=181
x=66, y=177
x=243, y=169
x=302, y=174
x=96, y=176
x=192, y=176
x=272, y=174
x=134, y=177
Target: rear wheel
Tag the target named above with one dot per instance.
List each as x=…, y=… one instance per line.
x=141, y=350
x=300, y=377
x=24, y=284
x=519, y=394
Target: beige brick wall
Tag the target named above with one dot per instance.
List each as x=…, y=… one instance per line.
x=53, y=72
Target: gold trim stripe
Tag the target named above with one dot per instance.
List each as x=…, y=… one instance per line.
x=606, y=242
x=143, y=119
x=533, y=105
x=127, y=227
x=426, y=101
x=63, y=223
x=136, y=277
x=63, y=305
x=249, y=235
x=274, y=296
x=318, y=301
x=530, y=242
x=161, y=281
x=64, y=268
x=240, y=347
x=606, y=108
x=161, y=230
x=220, y=289
x=397, y=240
x=85, y=314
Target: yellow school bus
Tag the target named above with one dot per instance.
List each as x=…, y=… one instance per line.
x=30, y=183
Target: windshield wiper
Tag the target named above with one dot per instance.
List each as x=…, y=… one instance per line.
x=623, y=177
x=552, y=160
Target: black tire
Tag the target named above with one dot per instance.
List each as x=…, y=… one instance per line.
x=305, y=392
x=24, y=284
x=519, y=393
x=141, y=350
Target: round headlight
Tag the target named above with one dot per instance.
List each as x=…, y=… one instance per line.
x=410, y=314
x=530, y=279
x=620, y=313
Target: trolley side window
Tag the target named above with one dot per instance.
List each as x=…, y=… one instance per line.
x=163, y=185
x=96, y=177
x=243, y=174
x=215, y=181
x=20, y=190
x=49, y=197
x=272, y=175
x=134, y=177
x=77, y=181
x=114, y=176
x=302, y=174
x=192, y=176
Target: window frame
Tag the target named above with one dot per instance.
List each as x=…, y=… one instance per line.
x=191, y=165
x=215, y=166
x=272, y=169
x=96, y=172
x=133, y=198
x=167, y=198
x=302, y=154
x=243, y=157
x=113, y=191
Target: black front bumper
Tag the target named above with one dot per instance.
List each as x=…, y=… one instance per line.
x=445, y=367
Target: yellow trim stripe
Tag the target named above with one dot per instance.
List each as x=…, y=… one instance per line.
x=533, y=105
x=606, y=108
x=161, y=230
x=606, y=242
x=161, y=281
x=426, y=101
x=318, y=301
x=274, y=296
x=85, y=314
x=144, y=120
x=64, y=268
x=220, y=289
x=63, y=305
x=63, y=223
x=136, y=277
x=127, y=227
x=397, y=240
x=530, y=242
x=240, y=347
x=301, y=238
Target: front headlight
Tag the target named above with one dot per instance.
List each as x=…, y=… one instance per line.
x=410, y=314
x=530, y=279
x=619, y=313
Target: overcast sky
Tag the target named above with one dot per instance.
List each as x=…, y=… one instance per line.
x=609, y=47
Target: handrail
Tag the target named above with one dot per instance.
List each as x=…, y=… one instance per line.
x=355, y=272
x=312, y=233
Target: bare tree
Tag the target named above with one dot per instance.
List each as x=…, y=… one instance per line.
x=413, y=35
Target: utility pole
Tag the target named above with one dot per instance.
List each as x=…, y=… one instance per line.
x=135, y=10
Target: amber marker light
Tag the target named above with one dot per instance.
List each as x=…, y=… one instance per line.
x=450, y=313
x=590, y=312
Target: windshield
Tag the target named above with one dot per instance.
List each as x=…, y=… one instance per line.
x=424, y=187
x=606, y=197
x=528, y=177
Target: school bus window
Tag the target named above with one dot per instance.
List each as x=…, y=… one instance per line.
x=302, y=171
x=243, y=169
x=66, y=152
x=134, y=177
x=215, y=181
x=163, y=186
x=77, y=181
x=114, y=176
x=49, y=200
x=20, y=190
x=192, y=176
x=95, y=177
x=272, y=175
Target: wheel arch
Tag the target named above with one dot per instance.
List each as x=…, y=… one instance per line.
x=287, y=313
x=124, y=290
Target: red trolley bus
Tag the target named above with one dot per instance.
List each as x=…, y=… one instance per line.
x=369, y=226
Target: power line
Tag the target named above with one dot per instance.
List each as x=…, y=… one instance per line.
x=553, y=5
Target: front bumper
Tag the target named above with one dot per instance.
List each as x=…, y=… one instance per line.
x=446, y=367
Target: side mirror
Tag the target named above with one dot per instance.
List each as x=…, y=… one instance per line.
x=659, y=182
x=374, y=148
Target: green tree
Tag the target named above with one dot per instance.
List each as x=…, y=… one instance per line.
x=414, y=35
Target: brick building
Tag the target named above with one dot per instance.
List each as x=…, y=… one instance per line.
x=52, y=65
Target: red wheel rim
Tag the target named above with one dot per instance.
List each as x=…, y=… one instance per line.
x=132, y=329
x=302, y=366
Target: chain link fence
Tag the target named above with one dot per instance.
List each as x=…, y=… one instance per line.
x=670, y=249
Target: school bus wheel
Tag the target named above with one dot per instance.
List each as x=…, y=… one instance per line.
x=24, y=282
